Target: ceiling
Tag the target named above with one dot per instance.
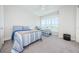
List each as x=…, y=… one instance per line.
x=41, y=10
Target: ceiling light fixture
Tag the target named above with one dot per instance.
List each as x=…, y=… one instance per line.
x=43, y=7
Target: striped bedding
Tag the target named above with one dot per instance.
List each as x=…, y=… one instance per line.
x=24, y=38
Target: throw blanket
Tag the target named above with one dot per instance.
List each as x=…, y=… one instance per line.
x=24, y=38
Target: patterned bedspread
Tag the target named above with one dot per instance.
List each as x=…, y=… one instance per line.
x=24, y=38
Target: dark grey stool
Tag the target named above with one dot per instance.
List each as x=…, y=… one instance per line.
x=67, y=37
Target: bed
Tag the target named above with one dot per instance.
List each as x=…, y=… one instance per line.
x=23, y=36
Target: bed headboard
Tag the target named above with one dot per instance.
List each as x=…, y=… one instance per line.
x=20, y=28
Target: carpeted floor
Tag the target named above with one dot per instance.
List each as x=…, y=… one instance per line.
x=50, y=44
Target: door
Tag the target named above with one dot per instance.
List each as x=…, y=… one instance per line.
x=1, y=26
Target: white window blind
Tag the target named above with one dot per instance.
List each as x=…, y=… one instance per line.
x=50, y=22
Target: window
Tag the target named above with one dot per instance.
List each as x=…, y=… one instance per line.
x=50, y=22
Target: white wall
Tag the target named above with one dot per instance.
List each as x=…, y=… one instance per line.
x=16, y=15
x=77, y=24
x=67, y=21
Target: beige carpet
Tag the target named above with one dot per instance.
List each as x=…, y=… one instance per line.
x=50, y=44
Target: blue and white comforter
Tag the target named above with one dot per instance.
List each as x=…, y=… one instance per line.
x=24, y=38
